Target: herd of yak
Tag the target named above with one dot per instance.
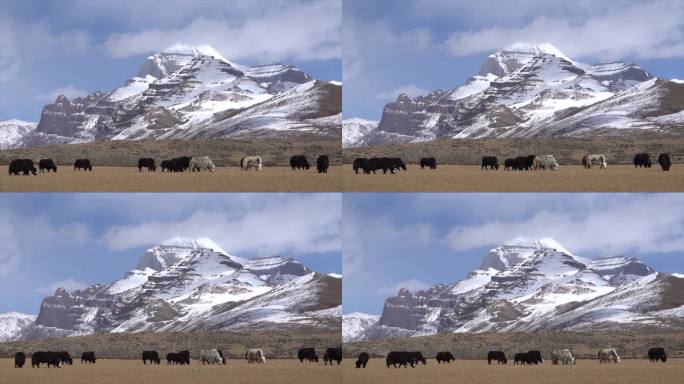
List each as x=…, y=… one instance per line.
x=395, y=359
x=177, y=164
x=206, y=356
x=520, y=163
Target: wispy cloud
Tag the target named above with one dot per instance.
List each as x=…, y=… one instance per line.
x=614, y=228
x=412, y=90
x=263, y=36
x=413, y=285
x=309, y=226
x=69, y=284
x=627, y=29
x=70, y=91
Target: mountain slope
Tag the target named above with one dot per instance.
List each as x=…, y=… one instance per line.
x=12, y=131
x=531, y=91
x=354, y=129
x=537, y=285
x=355, y=323
x=194, y=92
x=192, y=285
x=12, y=323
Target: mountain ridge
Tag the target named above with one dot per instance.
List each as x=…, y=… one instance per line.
x=536, y=91
x=531, y=286
x=190, y=93
x=185, y=285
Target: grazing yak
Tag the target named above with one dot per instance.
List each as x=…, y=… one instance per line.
x=429, y=162
x=47, y=165
x=173, y=165
x=49, y=358
x=19, y=359
x=65, y=358
x=642, y=160
x=417, y=357
x=657, y=353
x=322, y=164
x=499, y=356
x=490, y=162
x=544, y=162
x=202, y=163
x=362, y=360
x=536, y=356
x=445, y=357
x=255, y=355
x=520, y=163
x=299, y=162
x=183, y=162
x=251, y=161
x=664, y=161
x=362, y=164
x=307, y=354
x=88, y=357
x=529, y=358
x=385, y=163
x=608, y=355
x=564, y=356
x=83, y=164
x=399, y=358
x=332, y=354
x=151, y=356
x=589, y=160
x=212, y=356
x=147, y=162
x=24, y=166
x=182, y=358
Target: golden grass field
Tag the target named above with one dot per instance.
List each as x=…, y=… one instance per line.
x=110, y=371
x=129, y=179
x=477, y=371
x=470, y=178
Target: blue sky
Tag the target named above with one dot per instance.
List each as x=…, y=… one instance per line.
x=419, y=240
x=74, y=47
x=417, y=46
x=72, y=240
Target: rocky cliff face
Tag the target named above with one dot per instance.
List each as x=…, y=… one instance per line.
x=194, y=92
x=535, y=285
x=532, y=91
x=192, y=284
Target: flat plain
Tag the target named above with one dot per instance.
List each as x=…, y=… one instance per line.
x=471, y=178
x=129, y=179
x=478, y=371
x=114, y=371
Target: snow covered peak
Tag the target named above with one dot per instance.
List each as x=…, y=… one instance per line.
x=537, y=49
x=13, y=130
x=11, y=323
x=517, y=250
x=355, y=323
x=196, y=243
x=173, y=250
x=354, y=129
x=195, y=50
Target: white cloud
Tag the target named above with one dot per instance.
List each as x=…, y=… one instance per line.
x=607, y=33
x=70, y=91
x=9, y=252
x=366, y=44
x=643, y=223
x=69, y=284
x=412, y=90
x=286, y=31
x=413, y=285
x=308, y=224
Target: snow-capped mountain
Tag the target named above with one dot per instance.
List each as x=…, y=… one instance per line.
x=193, y=284
x=535, y=285
x=355, y=323
x=12, y=323
x=195, y=92
x=536, y=90
x=12, y=131
x=354, y=129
